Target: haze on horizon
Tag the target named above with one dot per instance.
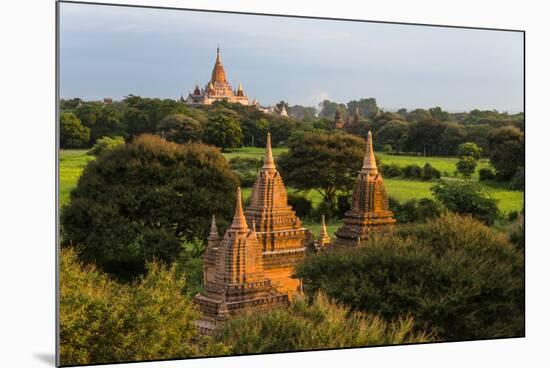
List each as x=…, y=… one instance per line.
x=108, y=51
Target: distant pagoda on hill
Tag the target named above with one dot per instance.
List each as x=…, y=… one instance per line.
x=369, y=204
x=283, y=239
x=217, y=89
x=234, y=277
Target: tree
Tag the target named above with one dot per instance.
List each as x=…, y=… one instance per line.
x=425, y=136
x=506, y=151
x=107, y=124
x=418, y=115
x=180, y=128
x=105, y=144
x=223, y=131
x=326, y=163
x=393, y=133
x=144, y=115
x=439, y=114
x=317, y=323
x=468, y=154
x=452, y=136
x=140, y=201
x=72, y=133
x=328, y=109
x=255, y=132
x=467, y=198
x=453, y=274
x=102, y=321
x=479, y=134
x=367, y=107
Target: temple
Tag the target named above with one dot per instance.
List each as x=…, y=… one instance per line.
x=282, y=238
x=369, y=204
x=234, y=277
x=324, y=239
x=338, y=122
x=218, y=88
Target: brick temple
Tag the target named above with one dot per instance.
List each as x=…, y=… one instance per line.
x=369, y=204
x=234, y=277
x=283, y=239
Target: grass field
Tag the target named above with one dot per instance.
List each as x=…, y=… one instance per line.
x=71, y=165
x=72, y=162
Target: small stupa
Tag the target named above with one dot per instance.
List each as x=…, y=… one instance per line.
x=324, y=239
x=369, y=204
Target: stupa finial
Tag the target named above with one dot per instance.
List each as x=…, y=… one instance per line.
x=239, y=221
x=213, y=227
x=269, y=163
x=369, y=162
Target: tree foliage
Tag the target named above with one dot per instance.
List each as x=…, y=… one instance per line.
x=467, y=198
x=105, y=144
x=327, y=163
x=140, y=201
x=506, y=151
x=102, y=321
x=223, y=131
x=72, y=133
x=453, y=275
x=318, y=323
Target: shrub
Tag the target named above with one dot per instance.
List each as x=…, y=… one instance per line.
x=300, y=204
x=317, y=323
x=467, y=198
x=105, y=144
x=454, y=275
x=139, y=200
x=415, y=210
x=428, y=209
x=325, y=208
x=466, y=166
x=391, y=170
x=486, y=174
x=516, y=232
x=512, y=215
x=429, y=172
x=412, y=171
x=387, y=148
x=102, y=321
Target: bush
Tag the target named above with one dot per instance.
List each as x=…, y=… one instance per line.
x=429, y=172
x=466, y=166
x=516, y=232
x=387, y=148
x=486, y=174
x=512, y=215
x=317, y=323
x=139, y=200
x=300, y=204
x=454, y=275
x=412, y=171
x=467, y=198
x=415, y=210
x=325, y=208
x=391, y=170
x=102, y=321
x=105, y=144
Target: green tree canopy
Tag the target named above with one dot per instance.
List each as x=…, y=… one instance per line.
x=393, y=133
x=180, y=128
x=467, y=198
x=102, y=321
x=452, y=274
x=72, y=133
x=506, y=151
x=326, y=163
x=223, y=131
x=141, y=200
x=318, y=323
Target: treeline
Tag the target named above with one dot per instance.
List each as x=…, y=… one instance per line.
x=426, y=131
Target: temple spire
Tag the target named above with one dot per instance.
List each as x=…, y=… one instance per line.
x=369, y=162
x=239, y=221
x=213, y=228
x=269, y=163
x=324, y=232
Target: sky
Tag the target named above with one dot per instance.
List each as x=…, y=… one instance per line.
x=113, y=52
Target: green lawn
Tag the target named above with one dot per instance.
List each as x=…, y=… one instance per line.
x=71, y=165
x=72, y=162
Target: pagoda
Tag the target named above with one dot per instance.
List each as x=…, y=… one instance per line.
x=218, y=88
x=234, y=277
x=338, y=122
x=324, y=239
x=369, y=204
x=282, y=238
